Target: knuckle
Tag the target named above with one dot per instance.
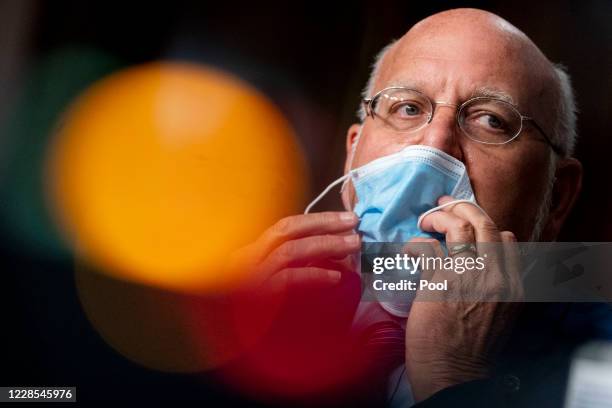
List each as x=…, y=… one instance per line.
x=463, y=226
x=287, y=249
x=329, y=241
x=498, y=287
x=486, y=224
x=432, y=241
x=327, y=217
x=434, y=244
x=283, y=226
x=315, y=274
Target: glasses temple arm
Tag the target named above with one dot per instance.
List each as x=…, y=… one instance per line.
x=552, y=145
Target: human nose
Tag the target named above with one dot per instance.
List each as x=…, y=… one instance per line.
x=441, y=131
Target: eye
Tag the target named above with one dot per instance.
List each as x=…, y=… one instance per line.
x=406, y=110
x=489, y=121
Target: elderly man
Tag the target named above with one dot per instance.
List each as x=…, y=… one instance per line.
x=482, y=93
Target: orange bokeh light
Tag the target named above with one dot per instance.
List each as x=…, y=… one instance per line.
x=158, y=172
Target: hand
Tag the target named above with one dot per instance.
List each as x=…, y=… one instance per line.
x=301, y=307
x=297, y=250
x=455, y=338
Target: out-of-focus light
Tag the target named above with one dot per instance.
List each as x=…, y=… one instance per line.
x=590, y=376
x=48, y=87
x=171, y=331
x=309, y=352
x=160, y=171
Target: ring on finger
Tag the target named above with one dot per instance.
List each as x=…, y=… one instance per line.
x=457, y=249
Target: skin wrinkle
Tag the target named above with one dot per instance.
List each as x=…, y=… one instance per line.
x=481, y=91
x=509, y=179
x=511, y=54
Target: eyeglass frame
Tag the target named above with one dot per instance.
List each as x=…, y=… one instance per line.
x=434, y=104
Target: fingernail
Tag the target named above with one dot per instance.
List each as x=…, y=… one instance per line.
x=334, y=276
x=348, y=217
x=352, y=239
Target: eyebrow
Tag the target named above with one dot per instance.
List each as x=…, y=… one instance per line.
x=484, y=91
x=493, y=93
x=416, y=85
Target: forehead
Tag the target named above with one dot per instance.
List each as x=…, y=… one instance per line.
x=458, y=63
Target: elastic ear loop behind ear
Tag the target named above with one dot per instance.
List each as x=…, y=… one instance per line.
x=426, y=213
x=350, y=162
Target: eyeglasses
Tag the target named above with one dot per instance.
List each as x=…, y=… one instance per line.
x=483, y=119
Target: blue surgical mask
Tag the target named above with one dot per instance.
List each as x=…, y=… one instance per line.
x=395, y=192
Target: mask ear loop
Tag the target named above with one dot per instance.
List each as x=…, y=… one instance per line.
x=426, y=213
x=333, y=184
x=344, y=179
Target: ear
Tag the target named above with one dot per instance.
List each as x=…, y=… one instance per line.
x=348, y=194
x=351, y=139
x=568, y=183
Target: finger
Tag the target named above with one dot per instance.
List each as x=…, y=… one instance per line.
x=428, y=248
x=512, y=266
x=456, y=229
x=493, y=283
x=484, y=227
x=311, y=249
x=303, y=225
x=306, y=276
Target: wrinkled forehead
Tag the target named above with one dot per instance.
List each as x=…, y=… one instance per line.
x=459, y=61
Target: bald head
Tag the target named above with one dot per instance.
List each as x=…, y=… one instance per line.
x=477, y=30
x=471, y=40
x=466, y=18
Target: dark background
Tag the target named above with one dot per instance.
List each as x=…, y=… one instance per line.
x=311, y=58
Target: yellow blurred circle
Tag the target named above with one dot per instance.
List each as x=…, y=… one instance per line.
x=158, y=172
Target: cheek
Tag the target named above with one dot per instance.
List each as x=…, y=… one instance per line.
x=373, y=145
x=510, y=191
